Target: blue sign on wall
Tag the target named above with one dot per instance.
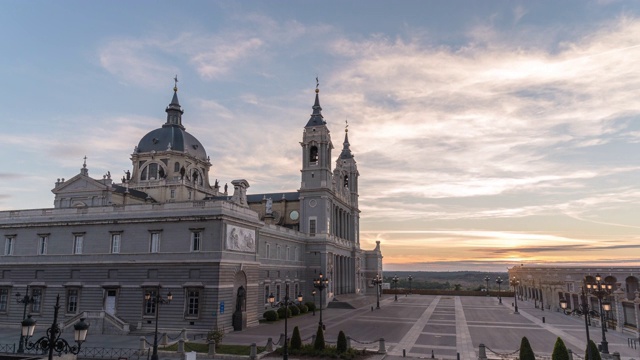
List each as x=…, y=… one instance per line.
x=221, y=307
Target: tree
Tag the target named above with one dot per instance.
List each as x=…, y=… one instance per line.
x=319, y=344
x=560, y=351
x=592, y=353
x=341, y=346
x=457, y=287
x=526, y=352
x=296, y=340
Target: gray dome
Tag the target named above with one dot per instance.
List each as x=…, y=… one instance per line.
x=172, y=137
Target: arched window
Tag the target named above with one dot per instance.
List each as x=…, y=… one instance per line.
x=313, y=155
x=176, y=167
x=152, y=171
x=346, y=181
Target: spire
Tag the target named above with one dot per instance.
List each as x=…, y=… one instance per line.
x=316, y=117
x=346, y=151
x=174, y=111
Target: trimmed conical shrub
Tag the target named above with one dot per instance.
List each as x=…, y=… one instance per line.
x=341, y=346
x=592, y=349
x=296, y=340
x=526, y=352
x=559, y=351
x=319, y=344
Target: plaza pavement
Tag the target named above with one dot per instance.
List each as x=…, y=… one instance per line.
x=421, y=325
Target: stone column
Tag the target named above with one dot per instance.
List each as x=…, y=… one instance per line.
x=618, y=296
x=636, y=310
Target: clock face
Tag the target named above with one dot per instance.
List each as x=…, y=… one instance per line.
x=294, y=215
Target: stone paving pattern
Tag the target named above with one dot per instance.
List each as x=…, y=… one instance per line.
x=421, y=325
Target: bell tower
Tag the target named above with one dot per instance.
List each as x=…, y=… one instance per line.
x=316, y=151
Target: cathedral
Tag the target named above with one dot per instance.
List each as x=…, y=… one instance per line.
x=162, y=229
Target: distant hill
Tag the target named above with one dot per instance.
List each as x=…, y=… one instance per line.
x=467, y=280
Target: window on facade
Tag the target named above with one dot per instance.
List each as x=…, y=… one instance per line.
x=278, y=293
x=313, y=155
x=154, y=244
x=288, y=253
x=77, y=244
x=72, y=301
x=9, y=244
x=42, y=244
x=36, y=293
x=312, y=226
x=176, y=167
x=267, y=251
x=278, y=253
x=152, y=171
x=4, y=299
x=150, y=305
x=173, y=193
x=296, y=291
x=266, y=294
x=346, y=181
x=115, y=243
x=193, y=302
x=189, y=194
x=196, y=237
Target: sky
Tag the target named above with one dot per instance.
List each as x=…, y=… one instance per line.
x=488, y=134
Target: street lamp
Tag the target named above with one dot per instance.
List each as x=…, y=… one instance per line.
x=313, y=293
x=26, y=300
x=395, y=284
x=410, y=278
x=52, y=341
x=284, y=304
x=486, y=278
x=515, y=282
x=377, y=281
x=156, y=300
x=583, y=309
x=601, y=291
x=320, y=283
x=499, y=281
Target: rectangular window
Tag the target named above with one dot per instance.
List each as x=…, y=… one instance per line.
x=72, y=301
x=278, y=293
x=150, y=305
x=154, y=245
x=312, y=226
x=279, y=253
x=193, y=302
x=9, y=243
x=288, y=258
x=77, y=244
x=267, y=251
x=266, y=294
x=195, y=240
x=173, y=193
x=36, y=293
x=4, y=299
x=115, y=243
x=42, y=244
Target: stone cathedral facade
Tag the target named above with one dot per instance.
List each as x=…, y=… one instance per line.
x=220, y=250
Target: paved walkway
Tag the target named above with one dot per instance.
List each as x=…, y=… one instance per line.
x=419, y=326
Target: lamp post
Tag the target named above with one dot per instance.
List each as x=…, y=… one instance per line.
x=486, y=278
x=376, y=282
x=26, y=300
x=320, y=283
x=156, y=300
x=410, y=278
x=52, y=342
x=515, y=282
x=583, y=309
x=601, y=291
x=395, y=285
x=284, y=304
x=313, y=293
x=499, y=281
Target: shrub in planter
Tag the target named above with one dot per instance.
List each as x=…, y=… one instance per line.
x=270, y=315
x=281, y=313
x=303, y=309
x=560, y=351
x=296, y=340
x=341, y=346
x=310, y=305
x=526, y=352
x=294, y=310
x=319, y=343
